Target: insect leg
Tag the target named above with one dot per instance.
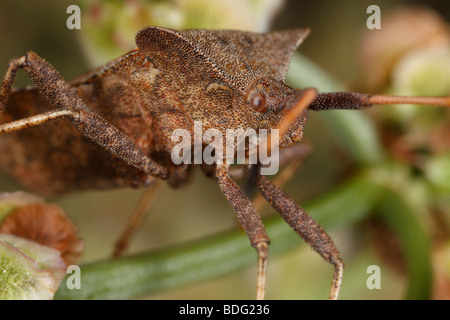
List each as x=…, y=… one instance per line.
x=306, y=227
x=35, y=120
x=250, y=221
x=8, y=81
x=136, y=218
x=63, y=96
x=294, y=157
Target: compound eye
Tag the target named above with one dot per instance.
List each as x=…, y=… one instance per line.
x=258, y=103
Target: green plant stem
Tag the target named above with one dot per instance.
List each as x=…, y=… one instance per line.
x=403, y=221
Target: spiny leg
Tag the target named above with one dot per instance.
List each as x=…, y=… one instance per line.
x=8, y=81
x=71, y=106
x=250, y=221
x=136, y=218
x=292, y=157
x=305, y=226
x=36, y=120
x=279, y=181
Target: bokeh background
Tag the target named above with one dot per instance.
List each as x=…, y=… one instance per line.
x=199, y=210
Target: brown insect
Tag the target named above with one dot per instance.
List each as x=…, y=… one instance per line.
x=115, y=123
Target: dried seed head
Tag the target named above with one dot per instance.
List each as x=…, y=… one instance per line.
x=45, y=224
x=28, y=270
x=37, y=244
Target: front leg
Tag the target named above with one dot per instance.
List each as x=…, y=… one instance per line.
x=306, y=227
x=71, y=106
x=250, y=221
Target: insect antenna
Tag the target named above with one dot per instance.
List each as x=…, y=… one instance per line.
x=355, y=100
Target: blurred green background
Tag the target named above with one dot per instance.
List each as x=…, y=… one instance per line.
x=199, y=209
